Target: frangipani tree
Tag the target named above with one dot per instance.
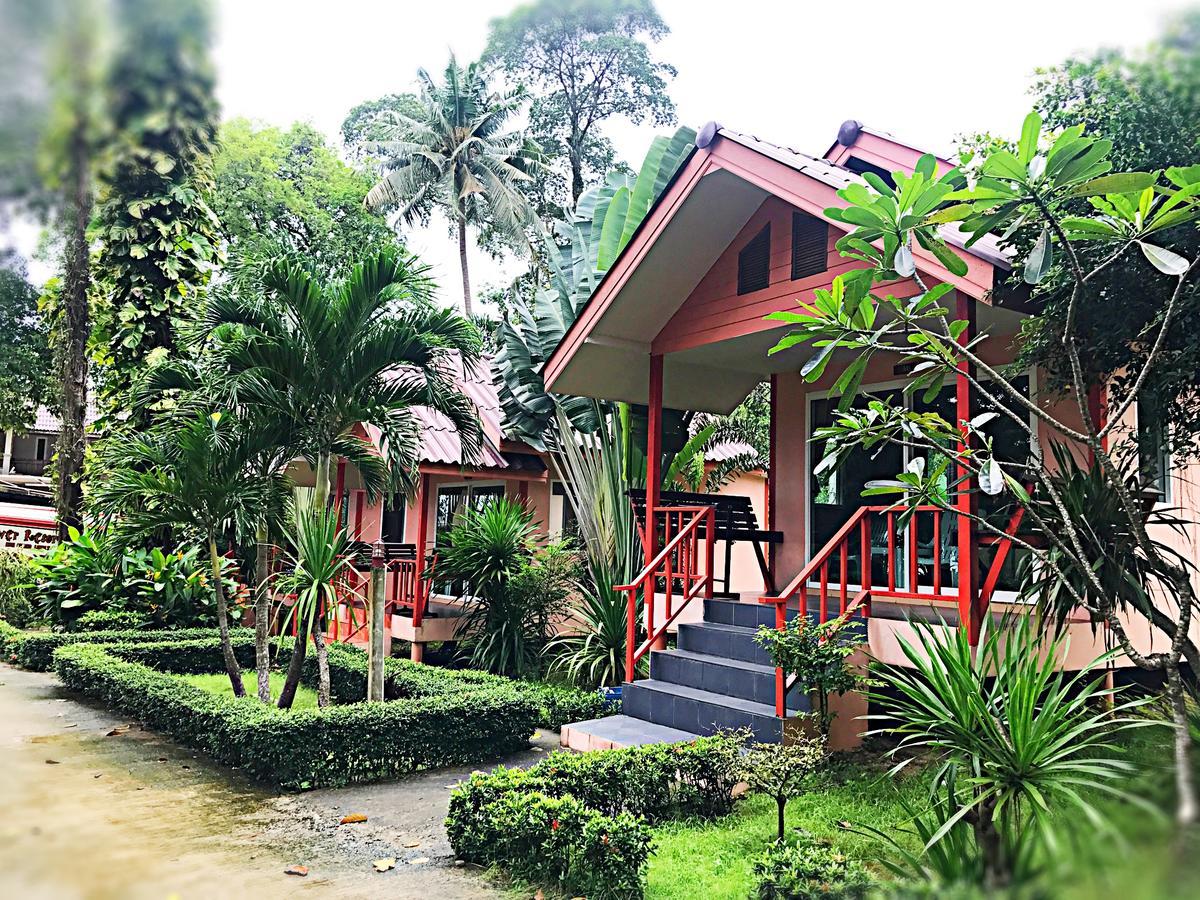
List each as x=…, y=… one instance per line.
x=1063, y=185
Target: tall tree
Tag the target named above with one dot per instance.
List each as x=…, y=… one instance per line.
x=330, y=354
x=279, y=191
x=586, y=61
x=455, y=155
x=157, y=233
x=69, y=148
x=24, y=359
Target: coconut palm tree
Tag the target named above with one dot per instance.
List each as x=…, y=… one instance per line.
x=329, y=355
x=191, y=476
x=455, y=155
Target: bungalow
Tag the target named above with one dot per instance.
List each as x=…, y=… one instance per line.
x=678, y=322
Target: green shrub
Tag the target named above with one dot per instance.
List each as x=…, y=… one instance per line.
x=560, y=840
x=17, y=576
x=296, y=749
x=10, y=640
x=808, y=870
x=557, y=704
x=35, y=649
x=110, y=620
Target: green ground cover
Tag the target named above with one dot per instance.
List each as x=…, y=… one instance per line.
x=218, y=683
x=1142, y=861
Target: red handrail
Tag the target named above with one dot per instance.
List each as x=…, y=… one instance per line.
x=677, y=561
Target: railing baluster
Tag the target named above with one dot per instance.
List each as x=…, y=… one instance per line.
x=844, y=553
x=891, y=550
x=912, y=555
x=937, y=551
x=823, y=608
x=864, y=538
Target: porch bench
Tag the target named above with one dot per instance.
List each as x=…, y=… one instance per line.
x=734, y=520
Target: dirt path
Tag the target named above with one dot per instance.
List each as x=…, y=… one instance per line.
x=87, y=815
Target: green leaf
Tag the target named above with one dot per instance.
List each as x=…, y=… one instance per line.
x=815, y=366
x=1041, y=257
x=1003, y=164
x=614, y=225
x=1166, y=261
x=1031, y=130
x=1116, y=183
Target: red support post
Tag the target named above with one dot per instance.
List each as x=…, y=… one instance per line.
x=772, y=474
x=780, y=683
x=864, y=540
x=654, y=435
x=970, y=607
x=422, y=538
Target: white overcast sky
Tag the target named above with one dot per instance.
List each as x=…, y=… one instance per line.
x=789, y=72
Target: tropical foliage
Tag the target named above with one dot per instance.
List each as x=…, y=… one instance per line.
x=24, y=354
x=817, y=654
x=454, y=155
x=1015, y=740
x=518, y=592
x=1129, y=215
x=781, y=770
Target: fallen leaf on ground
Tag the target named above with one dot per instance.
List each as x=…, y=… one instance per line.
x=296, y=870
x=52, y=762
x=413, y=844
x=382, y=865
x=353, y=818
x=72, y=725
x=535, y=736
x=98, y=774
x=116, y=732
x=419, y=861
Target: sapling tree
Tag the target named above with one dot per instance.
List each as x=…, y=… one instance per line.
x=817, y=654
x=780, y=771
x=1086, y=218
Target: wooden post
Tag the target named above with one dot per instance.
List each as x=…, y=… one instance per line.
x=375, y=644
x=418, y=648
x=970, y=609
x=772, y=475
x=654, y=436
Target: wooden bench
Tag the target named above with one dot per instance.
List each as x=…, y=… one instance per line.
x=734, y=521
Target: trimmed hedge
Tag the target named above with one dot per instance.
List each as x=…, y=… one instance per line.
x=10, y=638
x=297, y=748
x=35, y=649
x=557, y=704
x=500, y=818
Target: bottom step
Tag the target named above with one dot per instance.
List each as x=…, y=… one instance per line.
x=619, y=731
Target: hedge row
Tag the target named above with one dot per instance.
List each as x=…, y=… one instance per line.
x=299, y=748
x=608, y=797
x=35, y=649
x=10, y=638
x=557, y=704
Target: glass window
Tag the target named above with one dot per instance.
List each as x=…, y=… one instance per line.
x=1153, y=457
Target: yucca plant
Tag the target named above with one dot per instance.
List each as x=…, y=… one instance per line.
x=1017, y=741
x=594, y=654
x=319, y=564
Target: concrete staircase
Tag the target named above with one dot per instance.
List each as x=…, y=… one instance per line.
x=716, y=678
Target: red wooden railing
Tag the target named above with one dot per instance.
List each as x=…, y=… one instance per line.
x=684, y=529
x=854, y=600
x=407, y=585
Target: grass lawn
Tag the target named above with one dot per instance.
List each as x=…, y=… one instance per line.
x=218, y=683
x=714, y=860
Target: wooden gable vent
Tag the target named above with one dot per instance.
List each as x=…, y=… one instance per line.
x=754, y=263
x=810, y=245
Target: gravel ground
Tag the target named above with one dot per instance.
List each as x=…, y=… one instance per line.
x=92, y=806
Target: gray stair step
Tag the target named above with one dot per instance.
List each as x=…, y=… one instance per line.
x=620, y=731
x=721, y=675
x=702, y=712
x=730, y=641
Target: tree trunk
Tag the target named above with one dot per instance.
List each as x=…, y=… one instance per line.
x=295, y=667
x=76, y=325
x=1185, y=813
x=262, y=615
x=375, y=646
x=322, y=666
x=576, y=157
x=321, y=480
x=231, y=664
x=462, y=259
x=781, y=807
x=996, y=873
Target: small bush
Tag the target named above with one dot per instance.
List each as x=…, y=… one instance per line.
x=10, y=640
x=300, y=749
x=498, y=818
x=560, y=840
x=17, y=577
x=808, y=870
x=110, y=620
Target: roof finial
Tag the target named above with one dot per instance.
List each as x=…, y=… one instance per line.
x=848, y=132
